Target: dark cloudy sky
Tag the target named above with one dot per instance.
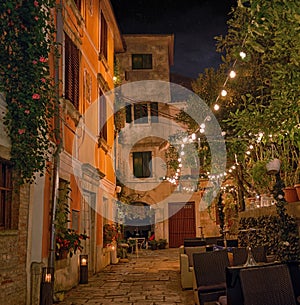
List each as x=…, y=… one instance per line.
x=195, y=23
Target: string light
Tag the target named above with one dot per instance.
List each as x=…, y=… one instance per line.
x=223, y=92
x=216, y=107
x=242, y=55
x=232, y=74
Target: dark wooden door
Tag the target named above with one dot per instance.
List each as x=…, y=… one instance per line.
x=181, y=222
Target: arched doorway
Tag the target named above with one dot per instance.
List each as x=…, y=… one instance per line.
x=139, y=221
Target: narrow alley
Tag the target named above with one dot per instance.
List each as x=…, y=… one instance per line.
x=151, y=278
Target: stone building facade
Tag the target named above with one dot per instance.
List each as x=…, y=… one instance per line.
x=151, y=103
x=89, y=37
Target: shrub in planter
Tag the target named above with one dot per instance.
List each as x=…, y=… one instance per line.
x=162, y=243
x=153, y=244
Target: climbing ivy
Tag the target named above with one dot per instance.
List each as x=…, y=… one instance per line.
x=26, y=40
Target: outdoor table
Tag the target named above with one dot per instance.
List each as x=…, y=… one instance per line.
x=139, y=241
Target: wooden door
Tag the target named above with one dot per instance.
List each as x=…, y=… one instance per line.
x=181, y=222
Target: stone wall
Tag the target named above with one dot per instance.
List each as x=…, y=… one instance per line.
x=13, y=252
x=293, y=209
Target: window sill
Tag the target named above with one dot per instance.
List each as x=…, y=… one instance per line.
x=103, y=144
x=102, y=58
x=8, y=232
x=70, y=110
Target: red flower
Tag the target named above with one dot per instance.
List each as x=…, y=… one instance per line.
x=21, y=131
x=36, y=3
x=43, y=59
x=27, y=111
x=34, y=62
x=36, y=96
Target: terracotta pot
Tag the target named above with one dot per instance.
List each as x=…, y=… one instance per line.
x=290, y=194
x=297, y=187
x=273, y=166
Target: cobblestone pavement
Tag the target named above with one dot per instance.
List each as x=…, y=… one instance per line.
x=152, y=278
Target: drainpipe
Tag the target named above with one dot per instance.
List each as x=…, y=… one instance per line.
x=57, y=126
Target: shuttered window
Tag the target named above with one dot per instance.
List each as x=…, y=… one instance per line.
x=141, y=61
x=128, y=113
x=5, y=195
x=142, y=164
x=78, y=4
x=142, y=113
x=71, y=72
x=154, y=112
x=103, y=116
x=103, y=38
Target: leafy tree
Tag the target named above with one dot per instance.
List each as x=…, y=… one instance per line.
x=263, y=98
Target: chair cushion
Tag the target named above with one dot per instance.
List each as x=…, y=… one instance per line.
x=212, y=288
x=190, y=250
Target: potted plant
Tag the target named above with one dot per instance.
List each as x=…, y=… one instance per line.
x=262, y=182
x=153, y=244
x=68, y=241
x=162, y=243
x=273, y=166
x=110, y=234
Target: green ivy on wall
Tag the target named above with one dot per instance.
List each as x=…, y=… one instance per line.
x=26, y=39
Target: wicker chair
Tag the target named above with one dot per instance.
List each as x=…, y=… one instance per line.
x=209, y=275
x=267, y=285
x=240, y=255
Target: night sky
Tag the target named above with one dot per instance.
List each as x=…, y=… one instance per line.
x=194, y=23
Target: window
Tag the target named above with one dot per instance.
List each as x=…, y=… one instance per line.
x=142, y=167
x=5, y=195
x=141, y=61
x=142, y=113
x=103, y=38
x=128, y=113
x=103, y=117
x=78, y=4
x=154, y=112
x=71, y=72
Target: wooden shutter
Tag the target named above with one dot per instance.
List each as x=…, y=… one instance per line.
x=103, y=38
x=71, y=72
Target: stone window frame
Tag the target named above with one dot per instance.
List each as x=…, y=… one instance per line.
x=6, y=192
x=141, y=61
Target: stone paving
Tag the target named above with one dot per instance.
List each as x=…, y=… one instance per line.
x=152, y=278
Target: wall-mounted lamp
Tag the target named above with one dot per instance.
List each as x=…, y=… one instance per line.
x=84, y=273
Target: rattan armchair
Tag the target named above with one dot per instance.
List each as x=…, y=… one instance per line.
x=209, y=275
x=267, y=285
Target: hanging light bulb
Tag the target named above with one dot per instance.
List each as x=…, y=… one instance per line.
x=216, y=107
x=223, y=92
x=232, y=74
x=242, y=55
x=193, y=136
